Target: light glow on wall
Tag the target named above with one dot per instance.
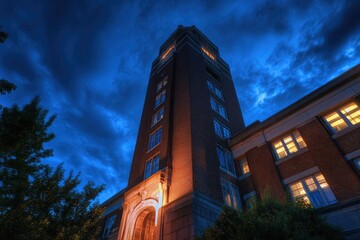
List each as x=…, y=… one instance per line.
x=208, y=53
x=166, y=53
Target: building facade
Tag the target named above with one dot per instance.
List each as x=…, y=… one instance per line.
x=194, y=155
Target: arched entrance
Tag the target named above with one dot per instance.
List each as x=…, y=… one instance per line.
x=144, y=228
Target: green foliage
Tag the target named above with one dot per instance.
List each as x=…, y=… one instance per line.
x=3, y=36
x=6, y=87
x=37, y=201
x=270, y=219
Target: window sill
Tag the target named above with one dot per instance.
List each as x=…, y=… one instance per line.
x=301, y=151
x=244, y=176
x=228, y=172
x=345, y=131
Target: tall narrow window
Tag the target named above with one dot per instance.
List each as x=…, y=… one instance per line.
x=217, y=107
x=213, y=88
x=289, y=144
x=230, y=194
x=160, y=98
x=152, y=166
x=157, y=116
x=109, y=225
x=226, y=160
x=313, y=190
x=343, y=117
x=221, y=130
x=155, y=138
x=162, y=84
x=244, y=166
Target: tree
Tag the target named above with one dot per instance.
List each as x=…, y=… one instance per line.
x=36, y=201
x=271, y=219
x=5, y=86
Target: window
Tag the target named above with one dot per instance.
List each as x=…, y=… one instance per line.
x=167, y=52
x=343, y=117
x=250, y=200
x=244, y=166
x=208, y=53
x=152, y=166
x=357, y=162
x=230, y=194
x=157, y=117
x=289, y=144
x=215, y=89
x=217, y=107
x=162, y=84
x=225, y=159
x=109, y=225
x=155, y=138
x=313, y=190
x=221, y=130
x=160, y=98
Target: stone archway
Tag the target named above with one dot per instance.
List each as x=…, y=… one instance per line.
x=144, y=227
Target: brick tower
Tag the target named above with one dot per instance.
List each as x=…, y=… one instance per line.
x=182, y=171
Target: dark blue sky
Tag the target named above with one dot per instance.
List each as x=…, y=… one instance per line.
x=89, y=61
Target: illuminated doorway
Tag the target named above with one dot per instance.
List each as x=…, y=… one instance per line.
x=144, y=228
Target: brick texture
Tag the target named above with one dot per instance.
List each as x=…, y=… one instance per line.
x=350, y=141
x=264, y=172
x=342, y=180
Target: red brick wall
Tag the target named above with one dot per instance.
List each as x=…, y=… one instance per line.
x=295, y=165
x=339, y=175
x=264, y=172
x=350, y=141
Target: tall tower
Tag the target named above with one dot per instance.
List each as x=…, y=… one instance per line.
x=182, y=171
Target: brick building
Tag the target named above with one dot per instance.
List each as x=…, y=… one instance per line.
x=194, y=154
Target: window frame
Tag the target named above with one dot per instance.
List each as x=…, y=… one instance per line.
x=217, y=106
x=356, y=162
x=286, y=148
x=228, y=160
x=109, y=223
x=152, y=161
x=223, y=128
x=215, y=90
x=242, y=167
x=233, y=191
x=161, y=84
x=150, y=147
x=308, y=193
x=162, y=97
x=337, y=110
x=155, y=119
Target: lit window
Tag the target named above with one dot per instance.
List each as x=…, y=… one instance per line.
x=230, y=194
x=160, y=98
x=155, y=138
x=215, y=89
x=221, y=130
x=152, y=166
x=217, y=107
x=157, y=117
x=289, y=144
x=313, y=190
x=208, y=53
x=244, y=166
x=109, y=225
x=344, y=117
x=226, y=160
x=167, y=52
x=162, y=84
x=357, y=162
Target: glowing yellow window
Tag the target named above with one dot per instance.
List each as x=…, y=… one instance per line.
x=336, y=122
x=166, y=53
x=280, y=149
x=299, y=139
x=351, y=112
x=208, y=53
x=298, y=191
x=290, y=144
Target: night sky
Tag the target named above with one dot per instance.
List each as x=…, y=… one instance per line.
x=89, y=61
